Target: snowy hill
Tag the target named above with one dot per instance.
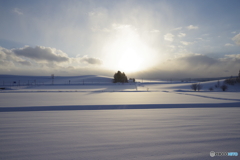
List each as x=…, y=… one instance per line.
x=6, y=80
x=103, y=83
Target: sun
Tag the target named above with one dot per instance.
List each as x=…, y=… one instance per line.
x=126, y=51
x=130, y=61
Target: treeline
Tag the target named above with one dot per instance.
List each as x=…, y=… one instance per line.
x=232, y=81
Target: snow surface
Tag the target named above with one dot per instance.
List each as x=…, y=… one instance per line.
x=89, y=117
x=151, y=134
x=107, y=98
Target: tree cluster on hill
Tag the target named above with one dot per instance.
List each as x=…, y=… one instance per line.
x=232, y=81
x=120, y=77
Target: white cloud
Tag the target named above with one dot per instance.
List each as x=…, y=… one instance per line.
x=121, y=26
x=233, y=56
x=186, y=43
x=176, y=29
x=169, y=37
x=155, y=31
x=96, y=29
x=181, y=34
x=16, y=10
x=91, y=13
x=228, y=45
x=236, y=39
x=192, y=27
x=234, y=32
x=172, y=46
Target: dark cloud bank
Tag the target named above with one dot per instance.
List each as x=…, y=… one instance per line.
x=194, y=66
x=41, y=53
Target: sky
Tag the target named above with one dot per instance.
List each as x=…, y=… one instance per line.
x=143, y=38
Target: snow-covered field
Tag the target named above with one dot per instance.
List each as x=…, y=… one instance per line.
x=88, y=117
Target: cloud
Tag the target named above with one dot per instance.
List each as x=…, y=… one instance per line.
x=154, y=31
x=16, y=10
x=25, y=63
x=48, y=54
x=90, y=60
x=233, y=57
x=228, y=45
x=184, y=66
x=8, y=56
x=95, y=29
x=190, y=27
x=41, y=60
x=169, y=37
x=172, y=46
x=181, y=34
x=176, y=29
x=185, y=43
x=197, y=60
x=91, y=13
x=40, y=53
x=194, y=66
x=236, y=39
x=121, y=26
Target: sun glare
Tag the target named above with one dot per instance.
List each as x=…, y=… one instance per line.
x=127, y=52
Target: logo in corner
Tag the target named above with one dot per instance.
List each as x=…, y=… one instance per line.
x=212, y=153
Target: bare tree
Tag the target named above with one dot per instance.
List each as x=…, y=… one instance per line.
x=224, y=87
x=194, y=86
